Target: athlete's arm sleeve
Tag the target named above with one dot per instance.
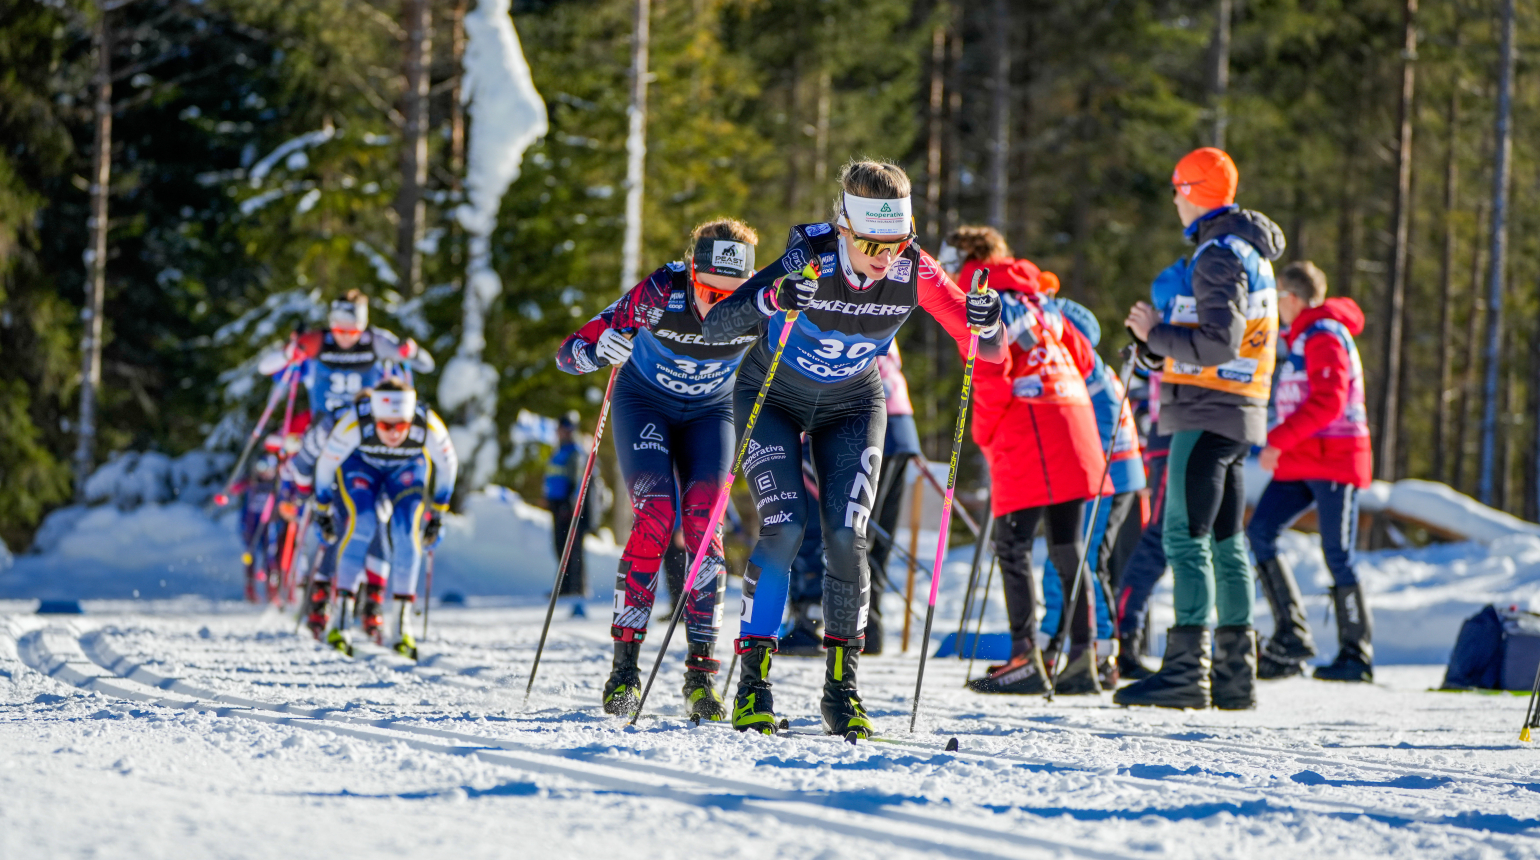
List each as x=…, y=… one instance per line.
x=943, y=300
x=389, y=347
x=294, y=351
x=1079, y=350
x=344, y=440
x=579, y=352
x=1327, y=363
x=1219, y=288
x=446, y=464
x=750, y=305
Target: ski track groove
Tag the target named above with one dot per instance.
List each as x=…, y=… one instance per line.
x=121, y=666
x=793, y=807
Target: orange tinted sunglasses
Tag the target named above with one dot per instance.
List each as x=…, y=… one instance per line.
x=393, y=426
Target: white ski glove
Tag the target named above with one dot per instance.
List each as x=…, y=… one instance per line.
x=613, y=347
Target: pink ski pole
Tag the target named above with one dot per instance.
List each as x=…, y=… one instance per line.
x=980, y=284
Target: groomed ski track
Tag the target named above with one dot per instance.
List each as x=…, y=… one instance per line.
x=1032, y=779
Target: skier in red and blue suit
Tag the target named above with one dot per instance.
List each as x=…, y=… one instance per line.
x=673, y=427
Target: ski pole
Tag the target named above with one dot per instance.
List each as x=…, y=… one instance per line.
x=973, y=575
x=980, y=284
x=720, y=507
x=962, y=512
x=727, y=681
x=978, y=628
x=1532, y=713
x=572, y=529
x=1072, y=600
x=222, y=497
x=427, y=597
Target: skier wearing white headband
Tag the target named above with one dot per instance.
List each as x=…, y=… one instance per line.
x=387, y=451
x=871, y=275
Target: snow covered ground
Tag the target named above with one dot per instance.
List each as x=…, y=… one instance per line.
x=200, y=729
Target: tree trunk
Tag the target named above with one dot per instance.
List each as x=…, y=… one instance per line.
x=1498, y=258
x=96, y=253
x=411, y=209
x=821, y=131
x=456, y=109
x=636, y=146
x=937, y=107
x=1468, y=370
x=1000, y=138
x=1219, y=71
x=1395, y=289
x=1446, y=291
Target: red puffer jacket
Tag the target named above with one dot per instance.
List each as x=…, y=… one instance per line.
x=1032, y=415
x=1323, y=426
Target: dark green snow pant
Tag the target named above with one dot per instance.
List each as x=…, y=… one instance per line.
x=1204, y=537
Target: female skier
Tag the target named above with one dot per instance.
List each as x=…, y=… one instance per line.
x=871, y=275
x=1036, y=425
x=672, y=408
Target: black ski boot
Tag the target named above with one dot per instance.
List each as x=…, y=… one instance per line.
x=701, y=699
x=1130, y=667
x=372, y=614
x=318, y=609
x=805, y=638
x=1079, y=675
x=753, y=708
x=1183, y=679
x=1291, y=644
x=1022, y=675
x=1355, y=630
x=1235, y=668
x=843, y=714
x=623, y=690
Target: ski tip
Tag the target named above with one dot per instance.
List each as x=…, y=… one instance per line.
x=784, y=724
x=951, y=744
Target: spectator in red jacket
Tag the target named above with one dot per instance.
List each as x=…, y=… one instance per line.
x=1033, y=418
x=1318, y=451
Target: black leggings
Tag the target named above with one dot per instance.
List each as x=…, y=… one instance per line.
x=845, y=423
x=1013, y=546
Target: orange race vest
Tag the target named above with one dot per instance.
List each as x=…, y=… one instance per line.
x=1251, y=373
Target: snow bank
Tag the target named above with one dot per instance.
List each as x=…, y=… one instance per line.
x=1440, y=505
x=501, y=546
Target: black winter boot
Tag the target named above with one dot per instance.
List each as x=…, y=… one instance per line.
x=753, y=707
x=1079, y=676
x=1235, y=668
x=1355, y=629
x=1023, y=675
x=1130, y=667
x=1291, y=643
x=1183, y=679
x=843, y=714
x=701, y=699
x=623, y=691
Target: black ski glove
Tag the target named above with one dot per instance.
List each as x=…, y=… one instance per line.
x=983, y=310
x=794, y=292
x=431, y=527
x=326, y=521
x=1143, y=355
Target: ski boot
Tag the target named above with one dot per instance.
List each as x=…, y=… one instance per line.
x=318, y=608
x=372, y=615
x=1079, y=676
x=753, y=707
x=805, y=638
x=404, y=645
x=1355, y=628
x=1234, y=672
x=1183, y=680
x=1023, y=674
x=841, y=707
x=336, y=637
x=251, y=577
x=701, y=699
x=623, y=690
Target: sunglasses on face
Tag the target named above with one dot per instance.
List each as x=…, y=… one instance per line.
x=714, y=293
x=343, y=332
x=874, y=248
x=392, y=426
